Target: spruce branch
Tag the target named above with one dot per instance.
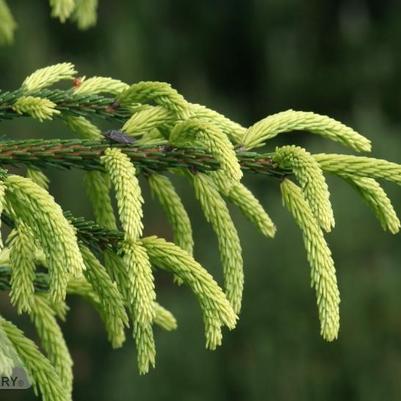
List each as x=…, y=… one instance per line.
x=85, y=154
x=88, y=232
x=66, y=103
x=160, y=132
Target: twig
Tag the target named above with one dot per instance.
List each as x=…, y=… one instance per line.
x=85, y=154
x=68, y=103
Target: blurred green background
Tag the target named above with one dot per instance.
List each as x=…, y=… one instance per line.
x=247, y=59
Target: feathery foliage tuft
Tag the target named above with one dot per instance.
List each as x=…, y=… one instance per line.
x=36, y=208
x=360, y=166
x=47, y=76
x=158, y=93
x=195, y=132
x=312, y=181
x=128, y=193
x=291, y=120
x=36, y=107
x=217, y=214
x=52, y=340
x=95, y=85
x=140, y=282
x=22, y=251
x=141, y=296
x=164, y=318
x=216, y=309
x=83, y=127
x=147, y=118
x=323, y=274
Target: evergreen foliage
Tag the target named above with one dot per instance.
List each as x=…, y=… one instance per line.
x=109, y=262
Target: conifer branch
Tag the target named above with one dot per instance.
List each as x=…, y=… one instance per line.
x=66, y=103
x=88, y=232
x=85, y=154
x=160, y=132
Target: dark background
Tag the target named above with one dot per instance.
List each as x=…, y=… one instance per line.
x=247, y=59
